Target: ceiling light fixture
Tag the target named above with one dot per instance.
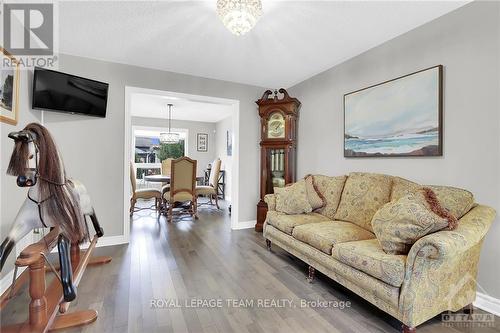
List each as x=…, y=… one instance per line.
x=169, y=138
x=239, y=16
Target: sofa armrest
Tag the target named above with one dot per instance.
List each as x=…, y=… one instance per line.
x=270, y=200
x=471, y=229
x=441, y=268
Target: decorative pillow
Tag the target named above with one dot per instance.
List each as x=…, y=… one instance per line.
x=399, y=224
x=363, y=195
x=313, y=195
x=292, y=199
x=331, y=189
x=270, y=200
x=456, y=200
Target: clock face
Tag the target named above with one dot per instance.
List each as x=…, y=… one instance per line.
x=276, y=126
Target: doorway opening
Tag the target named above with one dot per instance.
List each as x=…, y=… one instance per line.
x=208, y=128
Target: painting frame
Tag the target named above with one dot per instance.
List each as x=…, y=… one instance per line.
x=10, y=116
x=202, y=142
x=436, y=151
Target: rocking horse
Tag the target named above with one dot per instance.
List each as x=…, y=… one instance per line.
x=58, y=203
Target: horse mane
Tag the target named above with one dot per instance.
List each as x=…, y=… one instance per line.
x=62, y=205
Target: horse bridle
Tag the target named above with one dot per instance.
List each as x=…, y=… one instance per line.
x=29, y=179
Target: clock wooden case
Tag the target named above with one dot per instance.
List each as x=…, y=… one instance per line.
x=278, y=143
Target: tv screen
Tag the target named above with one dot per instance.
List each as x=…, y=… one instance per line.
x=56, y=91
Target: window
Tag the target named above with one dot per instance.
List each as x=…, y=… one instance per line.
x=149, y=152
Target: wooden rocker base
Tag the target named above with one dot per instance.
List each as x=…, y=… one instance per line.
x=47, y=310
x=99, y=260
x=74, y=319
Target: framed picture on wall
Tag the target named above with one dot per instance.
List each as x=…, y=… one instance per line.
x=229, y=143
x=9, y=88
x=202, y=142
x=399, y=117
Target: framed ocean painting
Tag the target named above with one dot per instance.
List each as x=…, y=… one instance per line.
x=399, y=117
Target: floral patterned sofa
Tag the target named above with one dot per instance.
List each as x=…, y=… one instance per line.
x=437, y=274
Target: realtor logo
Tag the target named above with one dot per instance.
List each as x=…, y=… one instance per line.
x=28, y=28
x=29, y=34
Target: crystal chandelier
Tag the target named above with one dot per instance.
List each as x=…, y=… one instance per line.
x=239, y=16
x=169, y=138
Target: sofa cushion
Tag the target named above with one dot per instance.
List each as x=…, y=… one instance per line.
x=287, y=223
x=381, y=294
x=399, y=224
x=315, y=199
x=331, y=189
x=456, y=200
x=363, y=195
x=324, y=235
x=292, y=199
x=369, y=257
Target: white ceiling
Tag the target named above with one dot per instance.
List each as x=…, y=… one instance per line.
x=155, y=106
x=292, y=41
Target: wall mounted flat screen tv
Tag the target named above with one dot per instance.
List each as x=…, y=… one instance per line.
x=61, y=92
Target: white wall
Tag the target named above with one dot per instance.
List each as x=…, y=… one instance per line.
x=466, y=42
x=221, y=128
x=193, y=127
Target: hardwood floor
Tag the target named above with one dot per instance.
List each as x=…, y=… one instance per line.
x=203, y=260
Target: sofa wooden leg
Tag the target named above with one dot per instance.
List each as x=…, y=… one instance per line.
x=268, y=244
x=408, y=329
x=468, y=309
x=312, y=272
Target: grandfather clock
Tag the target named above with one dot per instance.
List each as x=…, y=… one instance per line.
x=278, y=143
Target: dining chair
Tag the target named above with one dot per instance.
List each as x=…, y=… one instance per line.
x=166, y=170
x=212, y=189
x=182, y=187
x=144, y=193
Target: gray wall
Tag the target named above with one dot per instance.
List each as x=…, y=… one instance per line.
x=11, y=196
x=221, y=128
x=93, y=150
x=193, y=127
x=466, y=43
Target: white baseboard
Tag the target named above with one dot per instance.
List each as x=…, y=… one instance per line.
x=6, y=281
x=108, y=241
x=101, y=242
x=488, y=303
x=244, y=225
